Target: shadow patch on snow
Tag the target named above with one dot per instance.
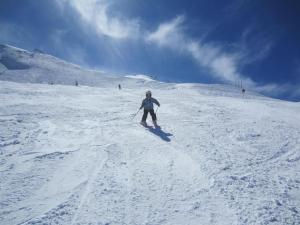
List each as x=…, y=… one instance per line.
x=293, y=159
x=54, y=155
x=12, y=64
x=248, y=137
x=160, y=133
x=5, y=144
x=282, y=151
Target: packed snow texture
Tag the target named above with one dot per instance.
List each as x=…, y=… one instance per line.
x=76, y=155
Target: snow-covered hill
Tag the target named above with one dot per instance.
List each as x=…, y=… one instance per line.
x=19, y=65
x=76, y=155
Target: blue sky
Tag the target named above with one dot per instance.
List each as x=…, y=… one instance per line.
x=215, y=41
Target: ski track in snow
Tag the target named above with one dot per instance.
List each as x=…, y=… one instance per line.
x=72, y=155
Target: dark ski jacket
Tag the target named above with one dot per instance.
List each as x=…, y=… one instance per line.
x=148, y=103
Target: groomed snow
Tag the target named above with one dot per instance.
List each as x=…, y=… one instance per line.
x=75, y=155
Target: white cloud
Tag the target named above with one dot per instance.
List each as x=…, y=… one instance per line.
x=222, y=65
x=95, y=13
x=168, y=34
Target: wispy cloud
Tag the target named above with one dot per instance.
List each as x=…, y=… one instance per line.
x=222, y=65
x=273, y=89
x=168, y=34
x=292, y=91
x=172, y=34
x=255, y=44
x=75, y=53
x=95, y=13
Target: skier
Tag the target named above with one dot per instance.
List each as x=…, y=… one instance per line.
x=147, y=104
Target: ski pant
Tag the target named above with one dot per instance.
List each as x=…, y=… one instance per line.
x=151, y=111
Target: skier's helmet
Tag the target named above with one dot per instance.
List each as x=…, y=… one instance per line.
x=148, y=94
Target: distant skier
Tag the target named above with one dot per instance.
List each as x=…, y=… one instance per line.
x=147, y=104
x=119, y=86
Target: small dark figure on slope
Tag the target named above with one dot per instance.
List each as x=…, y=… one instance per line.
x=147, y=104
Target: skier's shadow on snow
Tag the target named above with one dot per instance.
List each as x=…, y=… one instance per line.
x=159, y=132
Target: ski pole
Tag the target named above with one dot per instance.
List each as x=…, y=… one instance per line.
x=156, y=110
x=135, y=114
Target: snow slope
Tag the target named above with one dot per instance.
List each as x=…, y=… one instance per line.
x=19, y=65
x=74, y=155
